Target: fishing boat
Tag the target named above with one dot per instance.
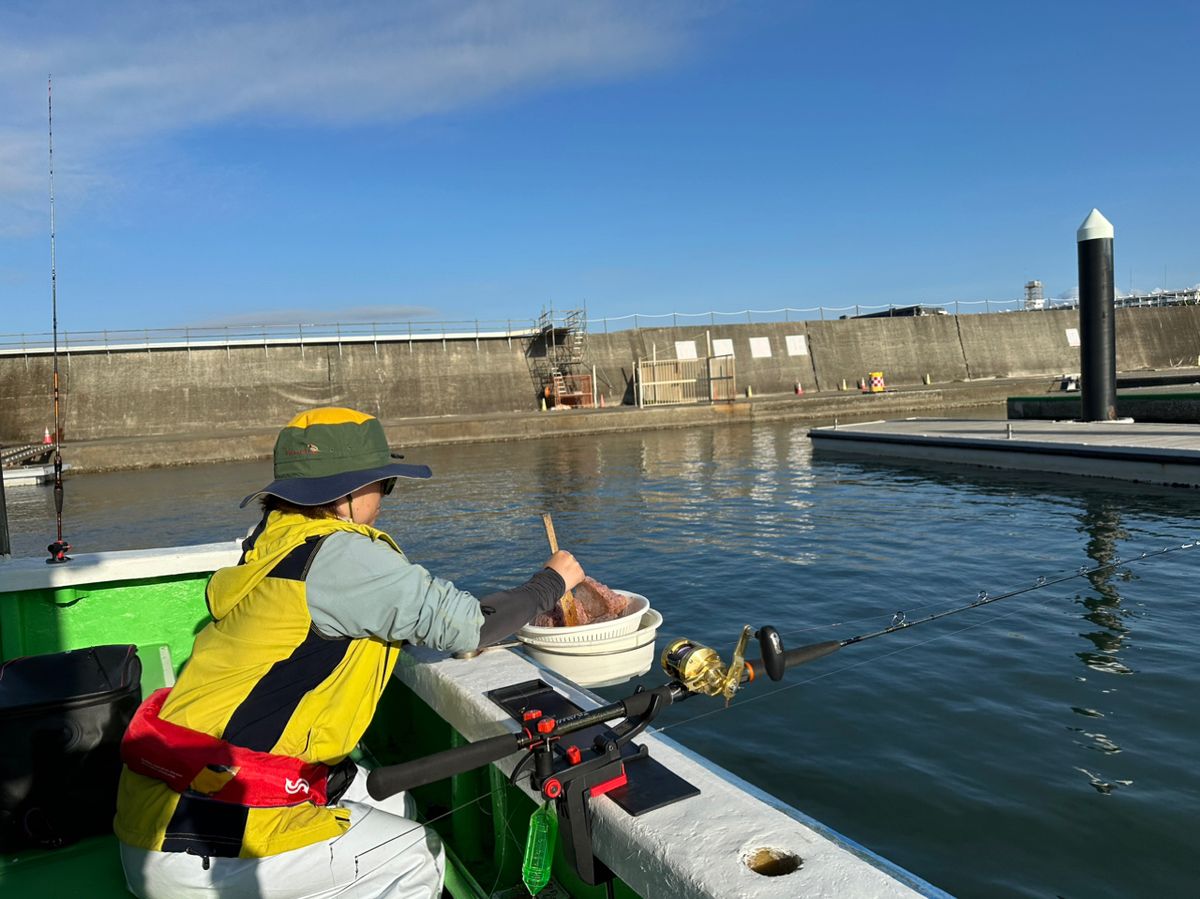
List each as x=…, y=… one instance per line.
x=707, y=834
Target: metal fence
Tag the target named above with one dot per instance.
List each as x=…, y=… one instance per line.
x=264, y=335
x=302, y=334
x=675, y=382
x=1190, y=297
x=784, y=314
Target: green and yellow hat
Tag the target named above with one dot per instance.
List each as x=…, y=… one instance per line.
x=327, y=453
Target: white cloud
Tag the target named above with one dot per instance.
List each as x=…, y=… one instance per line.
x=127, y=72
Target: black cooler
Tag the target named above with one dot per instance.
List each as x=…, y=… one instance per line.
x=62, y=717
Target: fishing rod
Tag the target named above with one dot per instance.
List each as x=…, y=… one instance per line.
x=693, y=669
x=59, y=548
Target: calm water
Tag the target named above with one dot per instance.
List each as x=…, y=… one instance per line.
x=1041, y=746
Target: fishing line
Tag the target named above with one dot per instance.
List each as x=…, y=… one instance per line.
x=419, y=825
x=900, y=620
x=516, y=843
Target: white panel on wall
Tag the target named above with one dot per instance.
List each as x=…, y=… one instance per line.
x=797, y=345
x=722, y=347
x=1072, y=337
x=685, y=349
x=760, y=347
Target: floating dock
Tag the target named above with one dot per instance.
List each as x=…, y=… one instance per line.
x=1125, y=450
x=29, y=475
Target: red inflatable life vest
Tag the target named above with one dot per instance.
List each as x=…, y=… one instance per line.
x=185, y=759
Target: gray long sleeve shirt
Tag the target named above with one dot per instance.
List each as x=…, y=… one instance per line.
x=358, y=587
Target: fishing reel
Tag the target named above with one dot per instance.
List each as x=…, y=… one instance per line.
x=699, y=669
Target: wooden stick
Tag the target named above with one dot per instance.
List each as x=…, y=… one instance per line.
x=567, y=601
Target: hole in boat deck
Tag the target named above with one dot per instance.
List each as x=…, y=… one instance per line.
x=772, y=862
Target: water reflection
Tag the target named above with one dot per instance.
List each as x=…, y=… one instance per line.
x=1100, y=520
x=1100, y=517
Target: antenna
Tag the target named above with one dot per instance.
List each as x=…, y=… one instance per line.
x=58, y=549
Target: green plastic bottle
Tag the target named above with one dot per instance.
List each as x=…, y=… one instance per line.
x=539, y=848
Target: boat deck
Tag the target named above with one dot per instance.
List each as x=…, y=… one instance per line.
x=1126, y=450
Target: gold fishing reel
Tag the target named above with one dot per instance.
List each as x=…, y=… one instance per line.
x=700, y=670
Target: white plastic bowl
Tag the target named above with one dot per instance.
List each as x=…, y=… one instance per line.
x=598, y=663
x=587, y=633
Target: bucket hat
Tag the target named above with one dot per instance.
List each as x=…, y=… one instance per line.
x=324, y=454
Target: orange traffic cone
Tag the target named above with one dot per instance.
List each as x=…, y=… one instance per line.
x=602, y=401
x=799, y=389
x=46, y=439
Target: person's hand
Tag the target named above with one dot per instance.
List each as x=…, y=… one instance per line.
x=567, y=566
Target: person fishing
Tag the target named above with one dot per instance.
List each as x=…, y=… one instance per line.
x=238, y=781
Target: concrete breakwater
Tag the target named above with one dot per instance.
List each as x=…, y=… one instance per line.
x=207, y=393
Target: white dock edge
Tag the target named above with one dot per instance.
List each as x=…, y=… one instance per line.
x=693, y=849
x=1145, y=452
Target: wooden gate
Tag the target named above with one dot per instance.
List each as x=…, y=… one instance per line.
x=674, y=382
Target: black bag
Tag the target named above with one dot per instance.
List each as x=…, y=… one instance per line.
x=62, y=717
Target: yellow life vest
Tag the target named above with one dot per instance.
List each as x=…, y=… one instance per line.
x=260, y=676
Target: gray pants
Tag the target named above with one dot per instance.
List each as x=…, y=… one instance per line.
x=385, y=853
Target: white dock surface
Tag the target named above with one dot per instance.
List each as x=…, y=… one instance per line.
x=29, y=475
x=1126, y=450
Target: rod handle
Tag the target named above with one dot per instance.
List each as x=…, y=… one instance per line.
x=392, y=779
x=775, y=659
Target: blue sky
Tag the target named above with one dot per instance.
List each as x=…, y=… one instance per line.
x=300, y=161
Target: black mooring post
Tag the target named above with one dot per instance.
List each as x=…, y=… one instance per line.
x=1097, y=328
x=5, y=545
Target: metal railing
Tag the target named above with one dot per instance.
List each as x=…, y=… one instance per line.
x=784, y=314
x=262, y=335
x=301, y=334
x=1189, y=297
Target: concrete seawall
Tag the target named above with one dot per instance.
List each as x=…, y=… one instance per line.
x=413, y=434
x=198, y=392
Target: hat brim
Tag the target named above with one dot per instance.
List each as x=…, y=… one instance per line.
x=319, y=491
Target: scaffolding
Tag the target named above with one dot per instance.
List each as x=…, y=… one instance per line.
x=557, y=357
x=1034, y=299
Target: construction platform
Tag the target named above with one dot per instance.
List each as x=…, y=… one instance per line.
x=1126, y=450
